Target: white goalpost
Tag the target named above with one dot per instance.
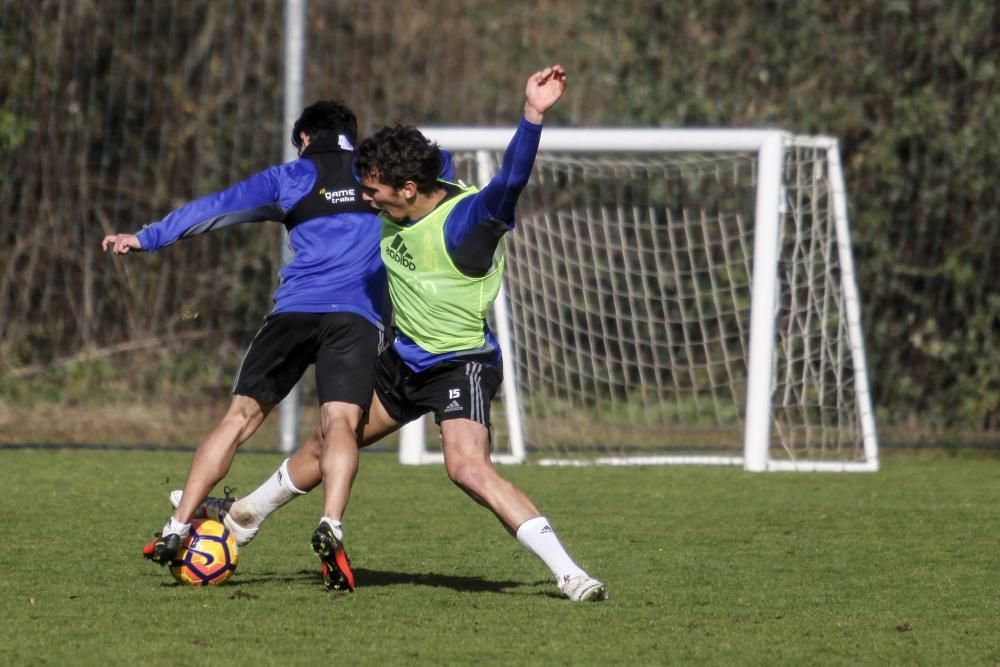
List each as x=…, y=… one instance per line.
x=675, y=297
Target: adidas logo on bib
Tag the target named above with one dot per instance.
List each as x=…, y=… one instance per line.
x=398, y=251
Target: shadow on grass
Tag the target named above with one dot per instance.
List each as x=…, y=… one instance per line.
x=456, y=582
x=377, y=578
x=302, y=576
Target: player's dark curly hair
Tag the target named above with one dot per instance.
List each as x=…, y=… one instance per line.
x=326, y=118
x=398, y=154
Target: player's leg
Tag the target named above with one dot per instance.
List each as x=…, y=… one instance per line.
x=466, y=452
x=302, y=468
x=389, y=409
x=466, y=447
x=273, y=363
x=465, y=441
x=300, y=473
x=345, y=370
x=338, y=461
x=345, y=427
x=338, y=464
x=209, y=465
x=215, y=454
x=303, y=465
x=294, y=477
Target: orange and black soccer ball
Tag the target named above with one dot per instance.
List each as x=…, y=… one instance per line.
x=209, y=557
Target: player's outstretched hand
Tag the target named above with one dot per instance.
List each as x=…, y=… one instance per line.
x=120, y=243
x=543, y=90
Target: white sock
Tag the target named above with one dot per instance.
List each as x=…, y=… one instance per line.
x=176, y=527
x=537, y=536
x=277, y=491
x=335, y=526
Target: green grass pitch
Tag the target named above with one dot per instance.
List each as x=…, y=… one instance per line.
x=703, y=566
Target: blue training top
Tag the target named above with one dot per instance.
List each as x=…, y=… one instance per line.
x=333, y=233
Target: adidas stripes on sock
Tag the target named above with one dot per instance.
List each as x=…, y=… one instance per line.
x=278, y=490
x=537, y=536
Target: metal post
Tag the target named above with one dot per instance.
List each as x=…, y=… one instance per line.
x=295, y=41
x=757, y=437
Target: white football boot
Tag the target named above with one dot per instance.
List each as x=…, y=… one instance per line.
x=218, y=509
x=583, y=588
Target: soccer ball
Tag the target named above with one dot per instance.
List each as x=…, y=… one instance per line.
x=209, y=557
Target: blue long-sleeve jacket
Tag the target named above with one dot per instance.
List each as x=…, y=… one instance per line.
x=333, y=233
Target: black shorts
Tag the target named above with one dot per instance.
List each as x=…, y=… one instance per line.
x=451, y=390
x=344, y=347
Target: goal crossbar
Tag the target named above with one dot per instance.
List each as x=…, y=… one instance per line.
x=603, y=139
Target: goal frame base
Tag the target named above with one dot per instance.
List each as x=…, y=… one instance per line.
x=729, y=461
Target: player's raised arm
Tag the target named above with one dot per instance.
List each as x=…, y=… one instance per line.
x=499, y=197
x=543, y=90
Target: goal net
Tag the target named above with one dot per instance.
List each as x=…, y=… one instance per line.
x=676, y=297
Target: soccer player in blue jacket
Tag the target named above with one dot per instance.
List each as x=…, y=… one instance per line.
x=329, y=308
x=443, y=244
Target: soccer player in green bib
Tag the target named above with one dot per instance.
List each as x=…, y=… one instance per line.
x=442, y=244
x=443, y=247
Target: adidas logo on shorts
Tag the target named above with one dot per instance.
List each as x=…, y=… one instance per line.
x=452, y=407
